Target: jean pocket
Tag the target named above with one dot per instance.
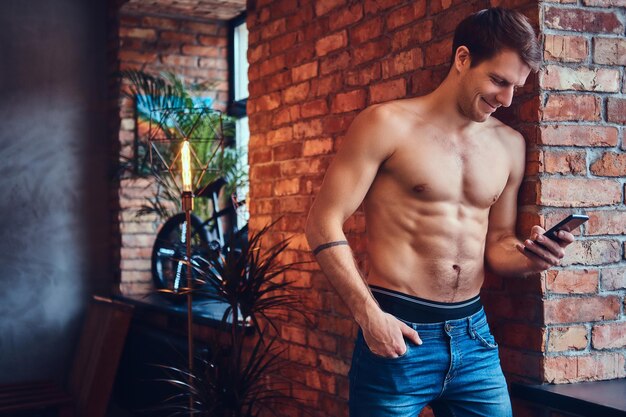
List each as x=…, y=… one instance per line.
x=379, y=357
x=484, y=336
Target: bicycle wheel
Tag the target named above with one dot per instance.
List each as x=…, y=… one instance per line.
x=169, y=269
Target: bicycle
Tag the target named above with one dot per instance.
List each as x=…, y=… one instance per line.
x=208, y=237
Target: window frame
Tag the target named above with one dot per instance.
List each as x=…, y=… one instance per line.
x=236, y=108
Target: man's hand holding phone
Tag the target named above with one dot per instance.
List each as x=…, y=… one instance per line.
x=545, y=249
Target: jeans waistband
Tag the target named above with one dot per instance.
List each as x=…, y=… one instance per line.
x=419, y=310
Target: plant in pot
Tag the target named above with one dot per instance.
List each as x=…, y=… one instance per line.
x=233, y=380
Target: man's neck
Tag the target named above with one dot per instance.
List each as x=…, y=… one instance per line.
x=444, y=110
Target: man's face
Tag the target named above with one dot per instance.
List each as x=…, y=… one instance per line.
x=491, y=84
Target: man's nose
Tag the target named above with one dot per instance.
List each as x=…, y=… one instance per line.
x=505, y=97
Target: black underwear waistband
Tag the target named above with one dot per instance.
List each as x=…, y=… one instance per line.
x=419, y=310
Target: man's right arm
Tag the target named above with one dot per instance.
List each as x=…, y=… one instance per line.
x=367, y=145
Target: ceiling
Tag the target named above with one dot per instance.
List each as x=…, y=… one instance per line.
x=200, y=9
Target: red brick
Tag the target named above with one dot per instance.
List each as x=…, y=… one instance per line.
x=375, y=6
x=610, y=51
x=146, y=34
x=258, y=53
x=135, y=264
x=346, y=16
x=275, y=63
x=303, y=355
x=565, y=162
x=331, y=43
x=284, y=42
x=205, y=51
x=180, y=61
x=177, y=37
x=363, y=75
x=308, y=129
x=437, y=6
x=614, y=279
x=259, y=156
x=200, y=27
x=577, y=310
x=567, y=338
x=571, y=192
x=335, y=62
x=592, y=252
x=317, y=147
x=276, y=81
x=610, y=164
x=298, y=167
x=572, y=281
x=322, y=341
x=566, y=369
x=402, y=62
x=365, y=31
x=571, y=107
x=273, y=29
x=214, y=41
x=137, y=240
x=388, y=90
x=406, y=14
x=582, y=20
x=606, y=222
x=324, y=6
x=304, y=71
x=317, y=107
x=344, y=102
x=284, y=134
x=438, y=53
x=616, y=110
x=325, y=86
x=554, y=77
x=565, y=48
x=370, y=51
x=578, y=135
x=296, y=93
x=141, y=57
x=160, y=23
x=268, y=102
x=287, y=151
x=334, y=365
x=413, y=35
x=294, y=204
x=293, y=334
x=609, y=336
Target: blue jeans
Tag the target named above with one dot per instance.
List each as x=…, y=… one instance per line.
x=457, y=367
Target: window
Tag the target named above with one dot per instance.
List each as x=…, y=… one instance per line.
x=238, y=97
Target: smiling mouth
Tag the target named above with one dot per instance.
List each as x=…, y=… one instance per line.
x=493, y=107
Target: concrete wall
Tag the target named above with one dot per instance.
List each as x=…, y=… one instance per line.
x=54, y=170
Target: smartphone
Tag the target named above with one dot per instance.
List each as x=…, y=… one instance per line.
x=570, y=223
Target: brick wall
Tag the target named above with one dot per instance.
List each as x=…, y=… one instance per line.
x=313, y=67
x=193, y=48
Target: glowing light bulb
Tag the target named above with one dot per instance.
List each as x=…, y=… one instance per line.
x=185, y=157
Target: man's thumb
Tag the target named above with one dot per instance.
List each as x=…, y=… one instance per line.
x=410, y=334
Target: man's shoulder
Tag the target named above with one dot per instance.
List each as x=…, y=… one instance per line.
x=506, y=132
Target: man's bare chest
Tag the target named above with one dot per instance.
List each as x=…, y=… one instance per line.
x=468, y=173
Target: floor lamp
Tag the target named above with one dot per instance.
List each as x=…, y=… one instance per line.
x=176, y=136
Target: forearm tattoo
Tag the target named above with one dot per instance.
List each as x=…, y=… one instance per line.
x=328, y=245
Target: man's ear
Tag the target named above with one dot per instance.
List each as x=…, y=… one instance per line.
x=462, y=58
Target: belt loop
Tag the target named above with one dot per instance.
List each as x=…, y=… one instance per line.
x=470, y=327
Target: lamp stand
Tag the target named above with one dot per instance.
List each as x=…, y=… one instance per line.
x=187, y=205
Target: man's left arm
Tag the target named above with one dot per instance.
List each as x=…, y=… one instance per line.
x=504, y=253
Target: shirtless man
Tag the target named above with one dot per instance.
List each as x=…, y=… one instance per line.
x=438, y=179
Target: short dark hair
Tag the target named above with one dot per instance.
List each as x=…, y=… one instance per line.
x=487, y=32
